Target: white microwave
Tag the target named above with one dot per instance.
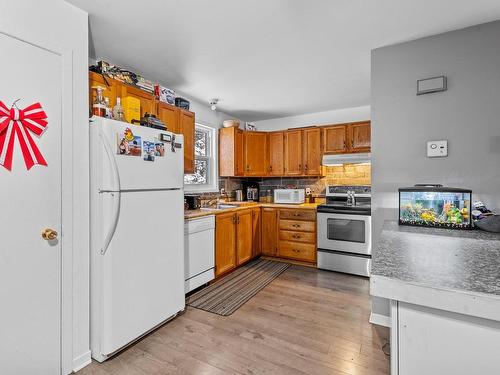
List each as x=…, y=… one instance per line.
x=289, y=196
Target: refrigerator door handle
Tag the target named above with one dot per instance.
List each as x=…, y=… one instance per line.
x=109, y=153
x=116, y=195
x=116, y=214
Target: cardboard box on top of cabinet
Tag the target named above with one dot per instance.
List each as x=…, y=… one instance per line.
x=131, y=108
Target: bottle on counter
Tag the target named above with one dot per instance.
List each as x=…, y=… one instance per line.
x=109, y=113
x=118, y=113
x=99, y=105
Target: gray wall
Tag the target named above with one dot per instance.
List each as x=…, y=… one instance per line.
x=467, y=115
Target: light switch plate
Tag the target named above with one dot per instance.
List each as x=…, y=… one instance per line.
x=437, y=149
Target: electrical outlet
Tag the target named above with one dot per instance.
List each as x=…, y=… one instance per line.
x=437, y=149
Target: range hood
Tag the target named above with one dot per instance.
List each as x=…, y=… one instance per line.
x=340, y=159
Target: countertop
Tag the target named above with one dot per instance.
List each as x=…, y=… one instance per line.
x=457, y=261
x=192, y=214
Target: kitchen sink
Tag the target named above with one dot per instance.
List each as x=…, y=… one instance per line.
x=218, y=207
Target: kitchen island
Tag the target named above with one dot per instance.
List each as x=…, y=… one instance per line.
x=444, y=287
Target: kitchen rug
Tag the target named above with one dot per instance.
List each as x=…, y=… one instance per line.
x=228, y=294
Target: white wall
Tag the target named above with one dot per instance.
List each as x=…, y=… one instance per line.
x=467, y=115
x=337, y=116
x=67, y=27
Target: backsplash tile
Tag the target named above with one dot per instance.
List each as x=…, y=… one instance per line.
x=349, y=174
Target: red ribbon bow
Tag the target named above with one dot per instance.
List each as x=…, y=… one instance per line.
x=21, y=122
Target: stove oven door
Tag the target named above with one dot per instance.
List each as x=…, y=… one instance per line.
x=344, y=232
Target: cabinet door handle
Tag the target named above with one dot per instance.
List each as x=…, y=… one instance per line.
x=352, y=144
x=305, y=167
x=248, y=168
x=270, y=168
x=300, y=166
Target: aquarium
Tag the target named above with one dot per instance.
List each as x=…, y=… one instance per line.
x=435, y=206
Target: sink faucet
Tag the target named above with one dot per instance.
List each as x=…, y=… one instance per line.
x=351, y=198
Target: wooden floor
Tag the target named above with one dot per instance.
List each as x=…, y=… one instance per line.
x=304, y=322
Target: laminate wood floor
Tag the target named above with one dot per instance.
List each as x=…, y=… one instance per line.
x=306, y=321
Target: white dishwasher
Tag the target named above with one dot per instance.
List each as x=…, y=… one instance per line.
x=199, y=251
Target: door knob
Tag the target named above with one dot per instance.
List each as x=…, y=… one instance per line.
x=49, y=234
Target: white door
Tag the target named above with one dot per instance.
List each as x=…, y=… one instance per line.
x=30, y=201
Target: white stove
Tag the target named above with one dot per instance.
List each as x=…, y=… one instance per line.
x=344, y=230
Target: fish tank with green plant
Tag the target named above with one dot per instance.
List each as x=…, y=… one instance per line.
x=435, y=206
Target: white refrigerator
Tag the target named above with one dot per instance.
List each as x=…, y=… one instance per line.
x=137, y=232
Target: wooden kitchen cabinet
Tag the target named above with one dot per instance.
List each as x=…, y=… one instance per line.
x=312, y=151
x=244, y=236
x=231, y=158
x=148, y=101
x=255, y=151
x=237, y=239
x=225, y=242
x=110, y=86
x=170, y=116
x=186, y=121
x=276, y=153
x=257, y=232
x=293, y=153
x=269, y=231
x=297, y=235
x=180, y=121
x=359, y=137
x=335, y=139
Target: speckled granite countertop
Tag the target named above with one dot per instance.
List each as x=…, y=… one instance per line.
x=464, y=261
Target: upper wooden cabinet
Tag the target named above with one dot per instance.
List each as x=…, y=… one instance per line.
x=169, y=115
x=186, y=121
x=312, y=151
x=108, y=84
x=177, y=120
x=293, y=153
x=359, y=137
x=346, y=138
x=231, y=159
x=335, y=139
x=276, y=153
x=255, y=151
x=148, y=102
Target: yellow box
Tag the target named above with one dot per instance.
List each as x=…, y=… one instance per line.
x=131, y=108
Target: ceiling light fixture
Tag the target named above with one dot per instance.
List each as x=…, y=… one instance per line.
x=213, y=103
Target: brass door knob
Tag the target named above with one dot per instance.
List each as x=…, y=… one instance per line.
x=49, y=234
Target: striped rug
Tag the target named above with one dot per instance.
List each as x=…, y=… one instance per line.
x=228, y=294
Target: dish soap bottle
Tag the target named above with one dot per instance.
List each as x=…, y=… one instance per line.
x=99, y=106
x=109, y=113
x=118, y=113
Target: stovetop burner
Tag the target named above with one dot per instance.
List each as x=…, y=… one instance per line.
x=337, y=200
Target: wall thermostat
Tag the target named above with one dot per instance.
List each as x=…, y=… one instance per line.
x=436, y=149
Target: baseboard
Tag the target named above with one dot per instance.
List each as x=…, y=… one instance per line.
x=380, y=320
x=81, y=361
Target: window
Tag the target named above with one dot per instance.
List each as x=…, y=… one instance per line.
x=204, y=177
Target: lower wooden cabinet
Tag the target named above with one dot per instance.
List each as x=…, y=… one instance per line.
x=297, y=235
x=237, y=239
x=244, y=236
x=257, y=232
x=269, y=231
x=225, y=242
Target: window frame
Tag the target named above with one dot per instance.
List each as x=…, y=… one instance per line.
x=212, y=184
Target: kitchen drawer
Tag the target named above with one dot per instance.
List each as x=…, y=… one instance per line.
x=309, y=215
x=294, y=225
x=306, y=237
x=297, y=250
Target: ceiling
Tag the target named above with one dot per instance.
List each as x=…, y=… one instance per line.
x=267, y=59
